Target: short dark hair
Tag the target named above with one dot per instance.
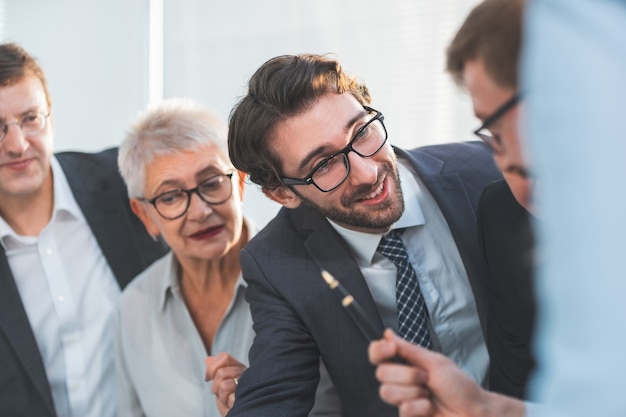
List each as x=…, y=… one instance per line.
x=283, y=87
x=16, y=64
x=491, y=32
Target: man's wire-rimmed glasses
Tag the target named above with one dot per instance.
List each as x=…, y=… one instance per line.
x=174, y=203
x=332, y=171
x=30, y=124
x=494, y=141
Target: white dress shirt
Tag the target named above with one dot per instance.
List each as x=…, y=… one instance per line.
x=440, y=271
x=159, y=352
x=69, y=292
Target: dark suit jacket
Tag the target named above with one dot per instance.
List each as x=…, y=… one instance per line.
x=102, y=197
x=505, y=234
x=297, y=318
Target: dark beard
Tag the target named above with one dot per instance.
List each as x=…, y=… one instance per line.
x=363, y=220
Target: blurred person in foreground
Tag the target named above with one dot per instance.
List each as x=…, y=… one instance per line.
x=580, y=342
x=483, y=59
x=574, y=65
x=68, y=244
x=190, y=303
x=306, y=131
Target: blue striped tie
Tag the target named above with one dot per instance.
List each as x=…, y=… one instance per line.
x=412, y=312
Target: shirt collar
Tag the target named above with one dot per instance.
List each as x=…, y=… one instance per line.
x=170, y=286
x=363, y=244
x=63, y=197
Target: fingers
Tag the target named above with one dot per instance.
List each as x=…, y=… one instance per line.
x=382, y=350
x=224, y=371
x=392, y=373
x=401, y=383
x=215, y=364
x=412, y=354
x=225, y=392
x=396, y=394
x=416, y=408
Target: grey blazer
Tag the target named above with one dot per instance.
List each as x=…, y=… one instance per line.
x=297, y=318
x=101, y=195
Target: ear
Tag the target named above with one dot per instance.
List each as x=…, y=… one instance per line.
x=283, y=196
x=241, y=182
x=140, y=211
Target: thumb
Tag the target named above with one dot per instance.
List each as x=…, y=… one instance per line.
x=209, y=362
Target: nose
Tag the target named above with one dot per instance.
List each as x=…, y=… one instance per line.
x=14, y=141
x=362, y=170
x=198, y=209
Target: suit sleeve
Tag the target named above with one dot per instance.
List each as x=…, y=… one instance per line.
x=284, y=360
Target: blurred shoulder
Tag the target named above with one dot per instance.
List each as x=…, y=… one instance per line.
x=103, y=163
x=456, y=152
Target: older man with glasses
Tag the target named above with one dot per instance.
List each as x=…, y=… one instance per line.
x=68, y=244
x=397, y=228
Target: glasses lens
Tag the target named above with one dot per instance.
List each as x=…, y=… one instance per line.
x=33, y=123
x=216, y=190
x=369, y=138
x=172, y=204
x=331, y=173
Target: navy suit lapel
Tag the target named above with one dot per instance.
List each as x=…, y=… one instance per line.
x=16, y=328
x=101, y=207
x=330, y=252
x=451, y=194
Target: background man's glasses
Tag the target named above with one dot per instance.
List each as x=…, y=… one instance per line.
x=30, y=124
x=332, y=171
x=174, y=204
x=494, y=141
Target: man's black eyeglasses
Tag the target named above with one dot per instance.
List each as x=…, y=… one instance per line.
x=174, y=203
x=332, y=171
x=494, y=141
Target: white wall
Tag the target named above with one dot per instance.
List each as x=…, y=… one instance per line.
x=95, y=54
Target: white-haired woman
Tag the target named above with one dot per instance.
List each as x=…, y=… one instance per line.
x=189, y=304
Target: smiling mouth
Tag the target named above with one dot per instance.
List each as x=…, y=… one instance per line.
x=373, y=193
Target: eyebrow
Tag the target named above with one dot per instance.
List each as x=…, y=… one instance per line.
x=199, y=176
x=211, y=169
x=322, y=149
